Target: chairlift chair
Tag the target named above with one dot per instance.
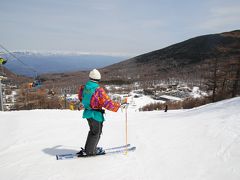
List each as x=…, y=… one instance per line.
x=37, y=83
x=2, y=62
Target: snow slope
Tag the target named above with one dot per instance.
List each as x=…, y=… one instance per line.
x=201, y=143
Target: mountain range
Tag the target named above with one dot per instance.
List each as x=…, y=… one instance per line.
x=31, y=62
x=183, y=61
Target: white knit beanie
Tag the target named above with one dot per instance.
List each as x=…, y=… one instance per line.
x=95, y=75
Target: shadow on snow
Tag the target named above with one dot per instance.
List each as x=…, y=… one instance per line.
x=59, y=149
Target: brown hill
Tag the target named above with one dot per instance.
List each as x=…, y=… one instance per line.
x=179, y=61
x=13, y=78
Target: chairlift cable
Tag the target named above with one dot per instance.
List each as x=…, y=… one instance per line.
x=13, y=55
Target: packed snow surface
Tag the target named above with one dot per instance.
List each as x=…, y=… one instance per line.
x=197, y=144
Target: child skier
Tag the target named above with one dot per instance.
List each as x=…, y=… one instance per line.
x=94, y=98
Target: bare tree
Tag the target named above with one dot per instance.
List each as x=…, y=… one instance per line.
x=235, y=77
x=216, y=77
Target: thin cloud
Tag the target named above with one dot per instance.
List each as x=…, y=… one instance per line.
x=226, y=11
x=222, y=17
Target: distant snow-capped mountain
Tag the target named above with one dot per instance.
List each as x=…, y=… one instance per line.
x=57, y=62
x=71, y=53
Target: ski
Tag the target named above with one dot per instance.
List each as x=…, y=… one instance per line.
x=121, y=150
x=106, y=150
x=118, y=147
x=115, y=150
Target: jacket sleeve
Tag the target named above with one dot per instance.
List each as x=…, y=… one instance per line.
x=106, y=102
x=80, y=92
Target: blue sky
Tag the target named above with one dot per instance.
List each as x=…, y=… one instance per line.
x=120, y=27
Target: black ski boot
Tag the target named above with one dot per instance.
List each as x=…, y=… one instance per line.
x=81, y=153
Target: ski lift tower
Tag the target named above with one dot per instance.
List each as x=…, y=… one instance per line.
x=2, y=61
x=2, y=76
x=1, y=93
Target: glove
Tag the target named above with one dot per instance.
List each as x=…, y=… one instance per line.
x=124, y=106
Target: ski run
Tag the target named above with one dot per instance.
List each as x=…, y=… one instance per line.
x=197, y=144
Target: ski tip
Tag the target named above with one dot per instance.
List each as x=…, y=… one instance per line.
x=131, y=149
